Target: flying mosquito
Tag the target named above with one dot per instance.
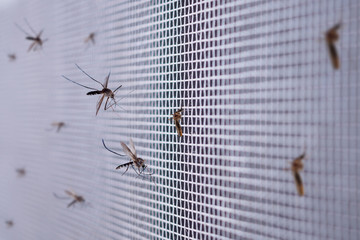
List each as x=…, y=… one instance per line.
x=90, y=38
x=332, y=36
x=177, y=118
x=138, y=164
x=105, y=92
x=9, y=223
x=77, y=198
x=21, y=172
x=296, y=166
x=12, y=57
x=37, y=42
x=58, y=125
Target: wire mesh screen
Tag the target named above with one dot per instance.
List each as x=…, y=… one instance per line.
x=257, y=87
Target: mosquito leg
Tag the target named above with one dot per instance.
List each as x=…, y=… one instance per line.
x=126, y=170
x=105, y=108
x=72, y=203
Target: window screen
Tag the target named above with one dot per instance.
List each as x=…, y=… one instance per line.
x=257, y=87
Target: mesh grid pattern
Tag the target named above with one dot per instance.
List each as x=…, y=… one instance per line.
x=257, y=88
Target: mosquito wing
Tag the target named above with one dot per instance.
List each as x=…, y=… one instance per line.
x=70, y=193
x=99, y=104
x=128, y=151
x=106, y=80
x=31, y=46
x=133, y=147
x=298, y=183
x=178, y=127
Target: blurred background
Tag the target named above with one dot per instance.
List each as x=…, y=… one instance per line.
x=257, y=87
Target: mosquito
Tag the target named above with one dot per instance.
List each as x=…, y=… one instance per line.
x=12, y=57
x=21, y=172
x=91, y=38
x=138, y=164
x=105, y=92
x=177, y=118
x=37, y=42
x=9, y=223
x=296, y=166
x=58, y=125
x=77, y=198
x=332, y=36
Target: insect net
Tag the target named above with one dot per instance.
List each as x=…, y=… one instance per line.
x=257, y=87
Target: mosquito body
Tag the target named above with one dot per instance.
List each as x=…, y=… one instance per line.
x=58, y=125
x=9, y=223
x=105, y=92
x=296, y=166
x=76, y=198
x=12, y=57
x=37, y=41
x=332, y=36
x=138, y=164
x=21, y=172
x=90, y=38
x=177, y=118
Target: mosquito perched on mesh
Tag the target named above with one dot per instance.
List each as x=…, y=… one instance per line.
x=58, y=125
x=21, y=172
x=71, y=194
x=177, y=117
x=332, y=36
x=90, y=38
x=296, y=166
x=138, y=164
x=9, y=223
x=37, y=42
x=105, y=92
x=12, y=57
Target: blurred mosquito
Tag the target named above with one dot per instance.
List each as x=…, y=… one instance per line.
x=332, y=36
x=12, y=57
x=71, y=194
x=138, y=164
x=58, y=125
x=9, y=223
x=296, y=166
x=90, y=38
x=21, y=172
x=105, y=92
x=177, y=118
x=37, y=42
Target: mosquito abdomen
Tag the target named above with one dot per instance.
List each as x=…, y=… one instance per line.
x=94, y=92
